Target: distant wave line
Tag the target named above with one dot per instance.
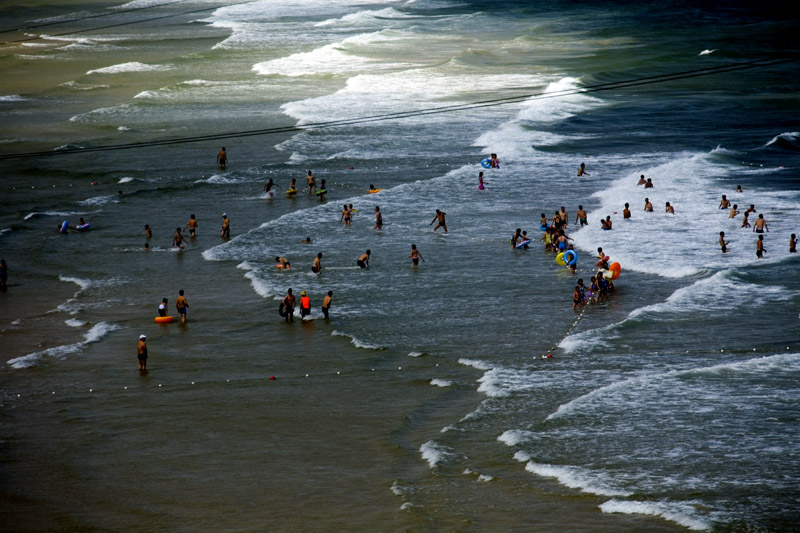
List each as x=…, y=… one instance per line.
x=647, y=80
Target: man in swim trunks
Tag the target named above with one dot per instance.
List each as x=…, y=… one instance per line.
x=141, y=352
x=760, y=225
x=669, y=209
x=225, y=232
x=581, y=216
x=182, y=305
x=316, y=268
x=177, y=239
x=751, y=209
x=415, y=255
x=724, y=203
x=311, y=183
x=148, y=233
x=564, y=216
x=378, y=218
x=582, y=170
x=760, y=247
x=222, y=158
x=642, y=181
x=268, y=188
x=734, y=211
x=363, y=259
x=440, y=217
x=647, y=205
x=723, y=243
x=626, y=213
x=606, y=224
x=346, y=216
x=648, y=184
x=192, y=225
x=283, y=262
x=288, y=304
x=326, y=304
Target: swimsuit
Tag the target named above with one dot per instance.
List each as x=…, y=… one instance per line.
x=361, y=263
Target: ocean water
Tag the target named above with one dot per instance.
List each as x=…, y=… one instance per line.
x=424, y=403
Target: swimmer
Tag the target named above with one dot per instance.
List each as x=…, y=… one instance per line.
x=751, y=209
x=141, y=353
x=563, y=215
x=760, y=250
x=606, y=224
x=441, y=221
x=641, y=181
x=177, y=239
x=669, y=209
x=148, y=233
x=268, y=188
x=192, y=225
x=225, y=231
x=305, y=305
x=516, y=238
x=162, y=307
x=582, y=170
x=283, y=262
x=723, y=243
x=181, y=305
x=647, y=205
x=415, y=255
x=626, y=213
x=222, y=158
x=724, y=203
x=307, y=241
x=316, y=268
x=581, y=217
x=352, y=211
x=322, y=191
x=4, y=273
x=378, y=218
x=288, y=304
x=81, y=222
x=745, y=223
x=543, y=222
x=311, y=183
x=363, y=259
x=494, y=161
x=480, y=182
x=371, y=187
x=576, y=298
x=648, y=184
x=792, y=248
x=147, y=247
x=739, y=188
x=734, y=211
x=326, y=304
x=346, y=216
x=760, y=224
x=293, y=185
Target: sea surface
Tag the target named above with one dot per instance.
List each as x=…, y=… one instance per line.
x=425, y=402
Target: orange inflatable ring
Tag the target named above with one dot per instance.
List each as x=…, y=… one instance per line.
x=615, y=268
x=164, y=319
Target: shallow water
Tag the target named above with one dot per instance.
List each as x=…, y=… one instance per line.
x=424, y=402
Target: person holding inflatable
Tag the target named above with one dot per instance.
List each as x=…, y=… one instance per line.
x=494, y=161
x=283, y=263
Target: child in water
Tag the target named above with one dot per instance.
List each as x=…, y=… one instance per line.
x=480, y=182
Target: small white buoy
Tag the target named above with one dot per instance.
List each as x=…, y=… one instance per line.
x=126, y=388
x=721, y=351
x=54, y=392
x=159, y=384
x=399, y=368
x=337, y=372
x=90, y=390
x=192, y=382
x=754, y=349
x=306, y=375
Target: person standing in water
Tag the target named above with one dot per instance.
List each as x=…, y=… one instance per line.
x=192, y=225
x=141, y=352
x=268, y=188
x=669, y=209
x=222, y=158
x=162, y=307
x=415, y=255
x=225, y=231
x=792, y=247
x=580, y=216
x=148, y=233
x=182, y=305
x=494, y=161
x=582, y=170
x=723, y=243
x=626, y=213
x=760, y=224
x=378, y=218
x=305, y=305
x=326, y=304
x=480, y=182
x=316, y=268
x=311, y=183
x=760, y=250
x=288, y=305
x=177, y=239
x=440, y=217
x=363, y=259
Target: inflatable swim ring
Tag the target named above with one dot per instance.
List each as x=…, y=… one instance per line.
x=281, y=266
x=570, y=257
x=83, y=227
x=373, y=191
x=523, y=244
x=291, y=192
x=282, y=309
x=603, y=260
x=615, y=269
x=64, y=226
x=164, y=319
x=560, y=259
x=486, y=163
x=543, y=227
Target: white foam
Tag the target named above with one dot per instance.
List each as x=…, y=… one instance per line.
x=12, y=98
x=132, y=66
x=512, y=437
x=82, y=283
x=51, y=214
x=792, y=136
x=125, y=180
x=576, y=478
x=99, y=200
x=74, y=323
x=484, y=478
x=441, y=382
x=707, y=52
x=363, y=18
x=434, y=453
x=415, y=354
x=218, y=179
x=356, y=342
x=681, y=513
x=97, y=332
x=474, y=363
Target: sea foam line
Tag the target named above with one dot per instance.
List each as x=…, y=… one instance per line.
x=97, y=332
x=679, y=512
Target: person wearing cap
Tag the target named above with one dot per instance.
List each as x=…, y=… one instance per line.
x=225, y=232
x=141, y=351
x=305, y=305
